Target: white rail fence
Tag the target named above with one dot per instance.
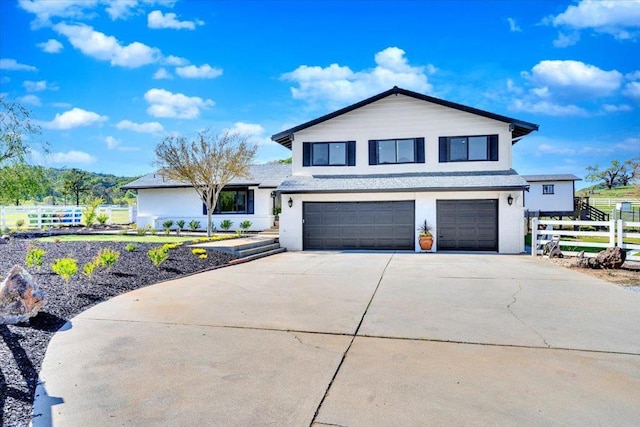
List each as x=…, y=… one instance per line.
x=611, y=233
x=612, y=202
x=56, y=215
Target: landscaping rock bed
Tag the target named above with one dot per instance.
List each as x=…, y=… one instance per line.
x=23, y=346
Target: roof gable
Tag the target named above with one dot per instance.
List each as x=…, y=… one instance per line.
x=519, y=128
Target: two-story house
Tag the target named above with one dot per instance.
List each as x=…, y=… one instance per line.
x=366, y=176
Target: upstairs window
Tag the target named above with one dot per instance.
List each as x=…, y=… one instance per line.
x=396, y=151
x=468, y=148
x=548, y=189
x=340, y=153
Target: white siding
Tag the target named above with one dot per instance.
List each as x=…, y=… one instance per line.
x=401, y=116
x=159, y=204
x=510, y=218
x=561, y=200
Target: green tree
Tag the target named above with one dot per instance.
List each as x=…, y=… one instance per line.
x=16, y=129
x=74, y=183
x=609, y=177
x=20, y=182
x=208, y=163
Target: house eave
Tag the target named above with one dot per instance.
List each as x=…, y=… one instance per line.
x=408, y=190
x=519, y=128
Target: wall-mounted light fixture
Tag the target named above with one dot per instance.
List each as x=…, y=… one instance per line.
x=510, y=199
x=290, y=202
x=273, y=194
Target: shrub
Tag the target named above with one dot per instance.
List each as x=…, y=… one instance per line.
x=106, y=258
x=102, y=218
x=90, y=212
x=141, y=231
x=158, y=255
x=194, y=225
x=130, y=247
x=34, y=257
x=167, y=226
x=226, y=224
x=65, y=268
x=203, y=256
x=180, y=223
x=88, y=269
x=245, y=225
x=19, y=223
x=198, y=251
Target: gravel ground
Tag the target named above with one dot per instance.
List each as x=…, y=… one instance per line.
x=23, y=346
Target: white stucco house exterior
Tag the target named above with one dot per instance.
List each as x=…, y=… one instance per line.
x=252, y=199
x=550, y=195
x=366, y=177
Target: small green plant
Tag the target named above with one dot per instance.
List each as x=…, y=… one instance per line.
x=141, y=231
x=90, y=212
x=277, y=210
x=204, y=256
x=226, y=224
x=65, y=268
x=19, y=223
x=167, y=226
x=245, y=225
x=106, y=258
x=194, y=225
x=158, y=255
x=34, y=257
x=180, y=223
x=88, y=269
x=198, y=251
x=130, y=247
x=102, y=218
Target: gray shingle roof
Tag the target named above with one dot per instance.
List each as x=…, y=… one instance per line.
x=559, y=177
x=436, y=181
x=264, y=176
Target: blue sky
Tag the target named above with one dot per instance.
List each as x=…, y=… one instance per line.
x=107, y=80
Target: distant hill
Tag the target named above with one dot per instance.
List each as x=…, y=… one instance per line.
x=623, y=192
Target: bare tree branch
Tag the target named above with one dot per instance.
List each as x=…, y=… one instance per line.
x=208, y=163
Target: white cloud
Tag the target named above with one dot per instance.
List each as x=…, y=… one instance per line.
x=338, y=85
x=621, y=19
x=120, y=9
x=616, y=108
x=71, y=157
x=547, y=108
x=566, y=40
x=147, y=127
x=513, y=25
x=632, y=90
x=574, y=78
x=157, y=20
x=107, y=48
x=74, y=118
x=51, y=46
x=555, y=149
x=175, y=61
x=38, y=86
x=162, y=73
x=47, y=9
x=202, y=72
x=12, y=64
x=31, y=100
x=112, y=142
x=633, y=76
x=175, y=105
x=253, y=132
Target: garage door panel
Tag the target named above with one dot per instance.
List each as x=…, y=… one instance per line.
x=467, y=224
x=359, y=225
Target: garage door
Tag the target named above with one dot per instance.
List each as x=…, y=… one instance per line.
x=359, y=225
x=467, y=225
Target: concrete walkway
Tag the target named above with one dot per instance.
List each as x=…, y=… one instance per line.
x=353, y=339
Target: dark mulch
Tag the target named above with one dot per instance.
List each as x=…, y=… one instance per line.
x=23, y=346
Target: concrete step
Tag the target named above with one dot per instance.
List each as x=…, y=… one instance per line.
x=257, y=249
x=257, y=256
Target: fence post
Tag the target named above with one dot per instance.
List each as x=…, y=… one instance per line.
x=612, y=233
x=620, y=234
x=534, y=236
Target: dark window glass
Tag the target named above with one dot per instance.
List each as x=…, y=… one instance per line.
x=329, y=153
x=477, y=148
x=392, y=151
x=457, y=149
x=547, y=189
x=233, y=201
x=468, y=148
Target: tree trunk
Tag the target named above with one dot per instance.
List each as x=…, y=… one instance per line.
x=77, y=199
x=209, y=221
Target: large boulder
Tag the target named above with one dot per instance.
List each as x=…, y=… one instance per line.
x=20, y=297
x=611, y=258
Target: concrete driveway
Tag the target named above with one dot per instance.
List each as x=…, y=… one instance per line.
x=353, y=339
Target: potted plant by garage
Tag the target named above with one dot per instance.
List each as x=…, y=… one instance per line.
x=425, y=238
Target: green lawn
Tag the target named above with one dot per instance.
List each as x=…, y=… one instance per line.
x=128, y=238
